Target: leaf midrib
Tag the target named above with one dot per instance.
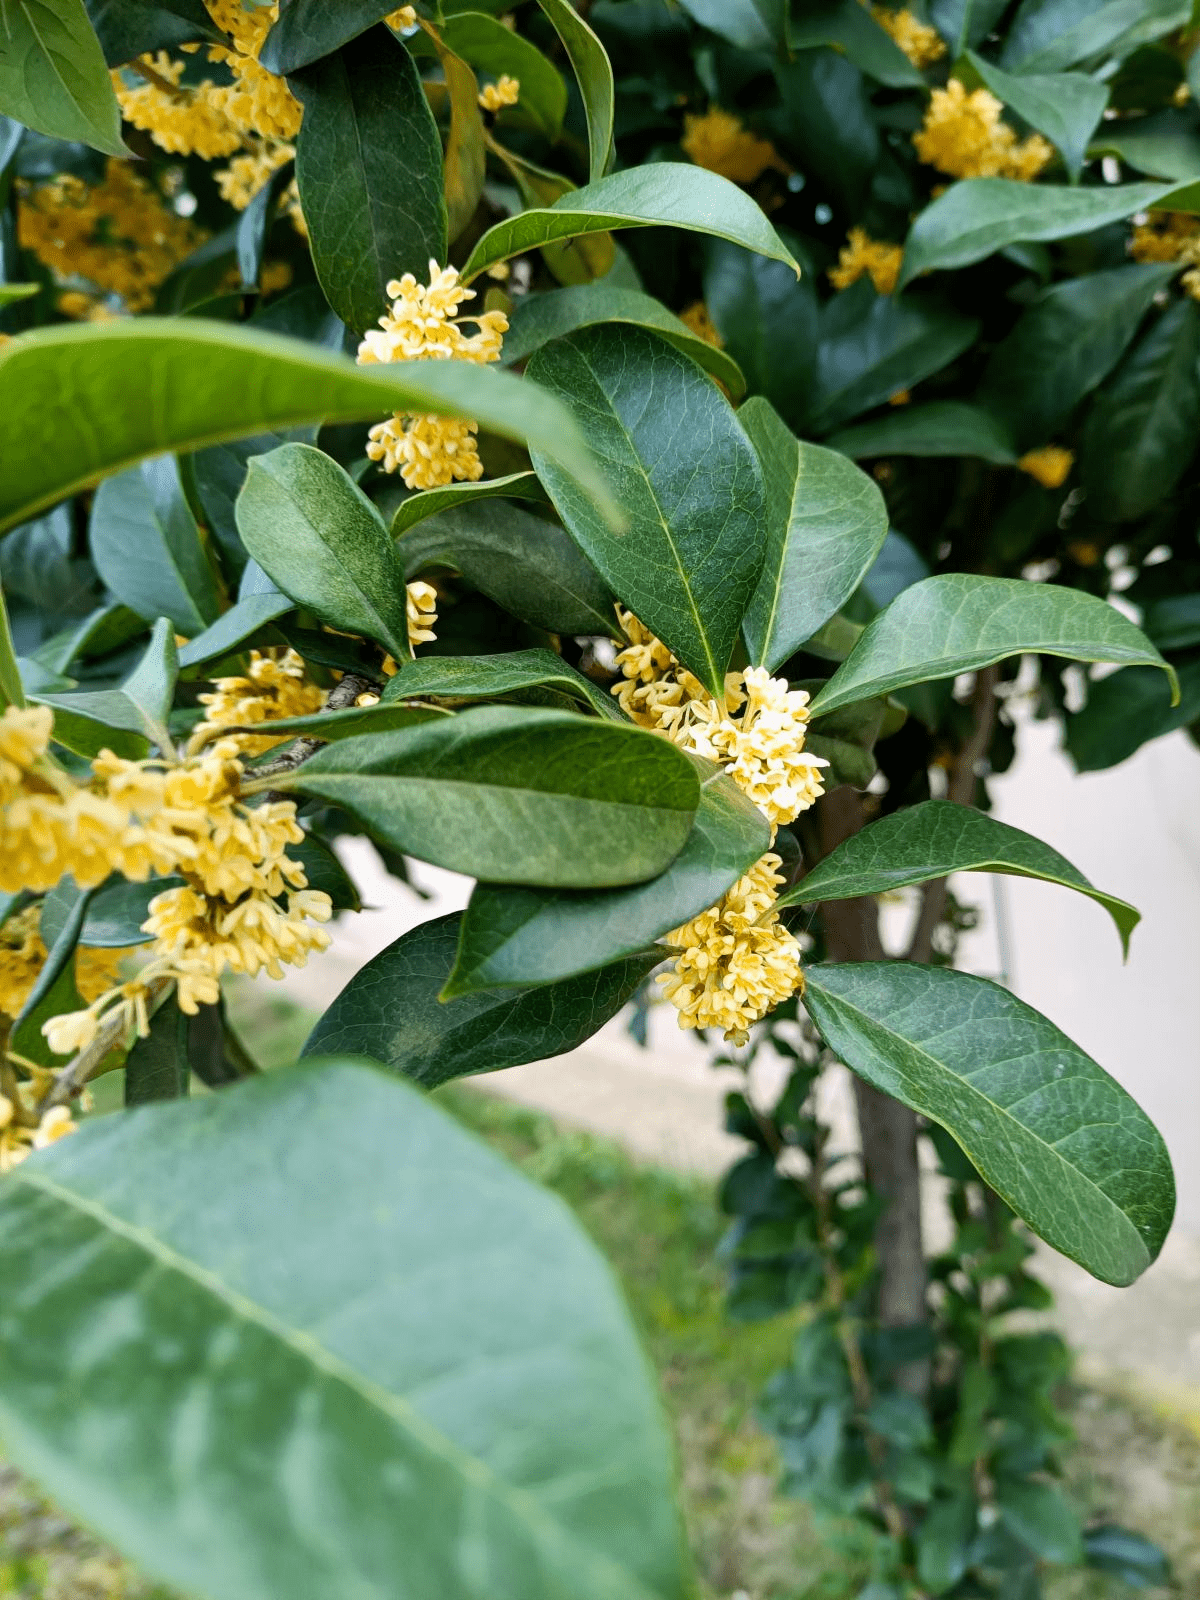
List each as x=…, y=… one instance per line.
x=523, y=1506
x=1002, y=1111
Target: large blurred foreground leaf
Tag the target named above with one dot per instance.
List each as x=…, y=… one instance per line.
x=1053, y=1134
x=411, y=1377
x=79, y=402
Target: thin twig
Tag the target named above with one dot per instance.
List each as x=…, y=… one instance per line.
x=75, y=1075
x=343, y=695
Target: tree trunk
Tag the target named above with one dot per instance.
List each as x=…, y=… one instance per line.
x=887, y=1129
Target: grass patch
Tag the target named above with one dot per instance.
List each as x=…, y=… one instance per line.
x=661, y=1230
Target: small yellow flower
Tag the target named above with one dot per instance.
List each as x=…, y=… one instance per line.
x=422, y=613
x=963, y=135
x=862, y=256
x=1170, y=236
x=696, y=317
x=505, y=91
x=922, y=44
x=717, y=140
x=1050, y=465
x=275, y=686
x=402, y=19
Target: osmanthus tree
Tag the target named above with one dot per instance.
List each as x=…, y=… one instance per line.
x=593, y=635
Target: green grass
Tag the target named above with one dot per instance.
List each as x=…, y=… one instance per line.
x=661, y=1230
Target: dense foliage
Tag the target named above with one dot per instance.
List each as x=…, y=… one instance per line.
x=629, y=639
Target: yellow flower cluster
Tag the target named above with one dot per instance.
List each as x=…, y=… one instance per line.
x=1049, y=465
x=423, y=325
x=1170, y=236
x=717, y=140
x=697, y=318
x=23, y=954
x=422, y=613
x=274, y=686
x=862, y=256
x=119, y=233
x=255, y=118
x=23, y=1126
x=505, y=91
x=964, y=136
x=736, y=961
x=922, y=44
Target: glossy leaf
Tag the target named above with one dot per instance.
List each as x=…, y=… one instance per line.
x=411, y=508
x=326, y=873
x=956, y=622
x=1127, y=710
x=662, y=194
x=1065, y=106
x=594, y=73
x=146, y=546
x=979, y=216
x=369, y=169
x=495, y=677
x=315, y=534
x=768, y=323
x=351, y=721
x=573, y=260
x=53, y=75
x=157, y=1067
x=430, y=1330
x=1048, y=35
x=515, y=795
x=872, y=346
x=1049, y=1130
x=940, y=428
x=307, y=30
x=54, y=992
x=678, y=462
x=115, y=912
x=392, y=1011
x=491, y=47
x=937, y=838
x=1066, y=343
x=514, y=936
x=242, y=623
x=1141, y=432
x=1163, y=145
x=850, y=27
x=538, y=318
x=831, y=123
x=825, y=524
x=1042, y=1518
x=529, y=566
x=128, y=28
x=214, y=381
x=747, y=24
x=151, y=684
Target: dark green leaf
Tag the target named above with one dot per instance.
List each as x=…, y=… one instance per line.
x=515, y=795
x=957, y=621
x=941, y=428
x=215, y=381
x=1043, y=1519
x=369, y=167
x=593, y=71
x=1127, y=1555
x=495, y=49
x=307, y=30
x=538, y=318
x=1165, y=145
x=529, y=566
x=873, y=345
x=92, y=720
x=825, y=524
x=326, y=873
x=128, y=28
x=768, y=322
x=349, y=723
x=1125, y=711
x=677, y=461
x=391, y=1011
x=218, y=473
x=937, y=838
x=146, y=546
x=830, y=122
x=53, y=77
x=849, y=763
x=465, y=165
x=431, y=1331
x=662, y=194
x=315, y=534
x=850, y=27
x=235, y=627
x=115, y=913
x=1048, y=35
x=1141, y=432
x=493, y=677
x=151, y=684
x=157, y=1067
x=1065, y=106
x=748, y=24
x=514, y=936
x=1053, y=1134
x=978, y=216
x=54, y=992
x=1066, y=343
x=944, y=1541
x=38, y=560
x=412, y=508
x=1173, y=622
x=254, y=225
x=965, y=23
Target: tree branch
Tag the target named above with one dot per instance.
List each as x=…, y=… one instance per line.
x=344, y=694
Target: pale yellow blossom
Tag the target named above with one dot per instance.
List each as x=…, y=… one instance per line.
x=964, y=136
